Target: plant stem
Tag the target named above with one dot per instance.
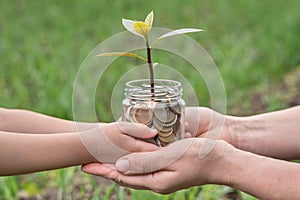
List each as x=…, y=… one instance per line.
x=150, y=68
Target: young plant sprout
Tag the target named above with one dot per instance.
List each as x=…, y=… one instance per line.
x=142, y=29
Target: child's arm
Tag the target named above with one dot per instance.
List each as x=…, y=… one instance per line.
x=23, y=121
x=24, y=153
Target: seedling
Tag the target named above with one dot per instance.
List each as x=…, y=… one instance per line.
x=142, y=29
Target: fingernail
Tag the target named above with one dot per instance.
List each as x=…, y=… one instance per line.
x=122, y=165
x=153, y=131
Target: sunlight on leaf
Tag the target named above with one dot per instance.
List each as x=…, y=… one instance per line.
x=149, y=19
x=129, y=25
x=141, y=28
x=179, y=31
x=122, y=54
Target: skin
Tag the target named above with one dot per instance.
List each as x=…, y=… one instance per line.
x=249, y=155
x=275, y=134
x=31, y=142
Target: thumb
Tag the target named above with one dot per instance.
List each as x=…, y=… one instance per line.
x=140, y=163
x=148, y=162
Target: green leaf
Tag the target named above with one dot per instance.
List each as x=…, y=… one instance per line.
x=122, y=54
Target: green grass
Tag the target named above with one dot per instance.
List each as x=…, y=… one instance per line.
x=43, y=43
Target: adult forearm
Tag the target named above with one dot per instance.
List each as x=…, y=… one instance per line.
x=263, y=177
x=25, y=153
x=274, y=134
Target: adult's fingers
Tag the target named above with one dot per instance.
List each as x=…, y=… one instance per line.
x=136, y=130
x=187, y=135
x=186, y=126
x=192, y=118
x=147, y=162
x=99, y=169
x=108, y=171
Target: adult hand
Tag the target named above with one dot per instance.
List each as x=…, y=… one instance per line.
x=170, y=168
x=108, y=142
x=204, y=122
x=274, y=134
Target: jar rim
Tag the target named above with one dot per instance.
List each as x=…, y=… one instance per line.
x=167, y=82
x=165, y=90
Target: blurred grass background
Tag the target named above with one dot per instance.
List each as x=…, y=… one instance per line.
x=43, y=43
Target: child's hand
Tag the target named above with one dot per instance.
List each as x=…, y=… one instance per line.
x=109, y=142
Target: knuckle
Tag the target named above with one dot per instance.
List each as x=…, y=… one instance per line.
x=161, y=187
x=160, y=190
x=141, y=165
x=147, y=166
x=156, y=188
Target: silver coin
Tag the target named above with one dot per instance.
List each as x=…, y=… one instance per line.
x=177, y=108
x=160, y=127
x=164, y=124
x=164, y=114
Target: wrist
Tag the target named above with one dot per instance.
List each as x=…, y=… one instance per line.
x=86, y=142
x=242, y=131
x=222, y=168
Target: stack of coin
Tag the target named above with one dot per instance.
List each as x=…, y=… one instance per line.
x=162, y=111
x=165, y=118
x=167, y=121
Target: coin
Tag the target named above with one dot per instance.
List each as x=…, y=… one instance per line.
x=177, y=127
x=160, y=127
x=141, y=113
x=165, y=134
x=168, y=139
x=164, y=129
x=164, y=114
x=161, y=124
x=158, y=142
x=163, y=144
x=176, y=108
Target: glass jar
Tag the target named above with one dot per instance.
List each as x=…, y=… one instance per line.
x=162, y=110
